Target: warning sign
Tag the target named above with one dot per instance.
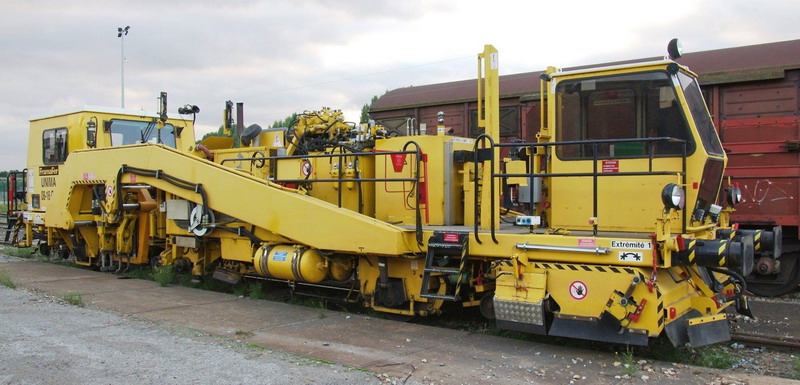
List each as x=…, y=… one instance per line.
x=277, y=142
x=578, y=290
x=306, y=168
x=610, y=166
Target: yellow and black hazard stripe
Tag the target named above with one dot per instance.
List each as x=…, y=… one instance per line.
x=660, y=310
x=587, y=268
x=88, y=181
x=704, y=252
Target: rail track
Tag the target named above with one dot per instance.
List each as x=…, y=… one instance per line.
x=776, y=323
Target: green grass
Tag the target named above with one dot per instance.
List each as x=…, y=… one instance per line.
x=19, y=252
x=256, y=346
x=5, y=280
x=73, y=299
x=629, y=365
x=164, y=275
x=255, y=290
x=318, y=360
x=240, y=289
x=140, y=273
x=796, y=365
x=714, y=357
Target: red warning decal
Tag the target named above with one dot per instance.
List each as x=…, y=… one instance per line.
x=578, y=290
x=306, y=168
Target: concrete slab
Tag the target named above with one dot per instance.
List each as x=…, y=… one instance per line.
x=404, y=350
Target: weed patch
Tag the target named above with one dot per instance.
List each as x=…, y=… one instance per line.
x=139, y=273
x=75, y=299
x=714, y=357
x=164, y=275
x=5, y=280
x=255, y=290
x=629, y=366
x=19, y=252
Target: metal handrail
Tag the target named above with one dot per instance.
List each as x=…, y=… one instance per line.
x=342, y=156
x=595, y=157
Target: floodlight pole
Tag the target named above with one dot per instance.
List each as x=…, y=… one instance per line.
x=121, y=32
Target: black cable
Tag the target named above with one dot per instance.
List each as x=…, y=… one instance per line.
x=736, y=276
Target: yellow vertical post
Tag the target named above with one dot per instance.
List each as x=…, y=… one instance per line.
x=489, y=119
x=226, y=118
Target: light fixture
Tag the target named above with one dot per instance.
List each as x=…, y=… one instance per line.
x=91, y=132
x=674, y=49
x=734, y=195
x=188, y=109
x=673, y=197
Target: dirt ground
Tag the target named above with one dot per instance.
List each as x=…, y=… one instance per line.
x=45, y=341
x=134, y=331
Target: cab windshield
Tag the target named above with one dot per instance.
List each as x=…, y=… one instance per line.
x=125, y=132
x=697, y=106
x=628, y=106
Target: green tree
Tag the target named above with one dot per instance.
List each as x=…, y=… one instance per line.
x=285, y=122
x=365, y=109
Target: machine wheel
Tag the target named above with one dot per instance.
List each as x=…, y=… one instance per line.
x=155, y=261
x=764, y=288
x=44, y=249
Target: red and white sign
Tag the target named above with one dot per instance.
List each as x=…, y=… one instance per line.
x=306, y=169
x=586, y=242
x=578, y=290
x=610, y=166
x=451, y=237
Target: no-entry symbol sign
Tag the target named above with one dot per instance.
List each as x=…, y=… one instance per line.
x=578, y=290
x=306, y=168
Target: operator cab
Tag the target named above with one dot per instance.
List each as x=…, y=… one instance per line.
x=637, y=126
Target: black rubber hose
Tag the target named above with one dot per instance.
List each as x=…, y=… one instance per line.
x=736, y=277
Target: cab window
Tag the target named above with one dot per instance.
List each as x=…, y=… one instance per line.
x=125, y=132
x=631, y=106
x=54, y=145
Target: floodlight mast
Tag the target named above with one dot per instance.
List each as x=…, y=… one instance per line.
x=121, y=32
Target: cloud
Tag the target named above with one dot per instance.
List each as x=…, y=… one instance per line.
x=282, y=57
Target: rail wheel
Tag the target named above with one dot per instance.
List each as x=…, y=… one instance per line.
x=781, y=284
x=44, y=249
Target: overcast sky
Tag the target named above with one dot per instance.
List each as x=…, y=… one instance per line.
x=279, y=57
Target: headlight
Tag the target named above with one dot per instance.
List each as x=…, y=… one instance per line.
x=673, y=197
x=734, y=195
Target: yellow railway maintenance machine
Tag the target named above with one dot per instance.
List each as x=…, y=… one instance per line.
x=606, y=230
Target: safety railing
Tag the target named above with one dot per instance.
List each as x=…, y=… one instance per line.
x=483, y=153
x=343, y=157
